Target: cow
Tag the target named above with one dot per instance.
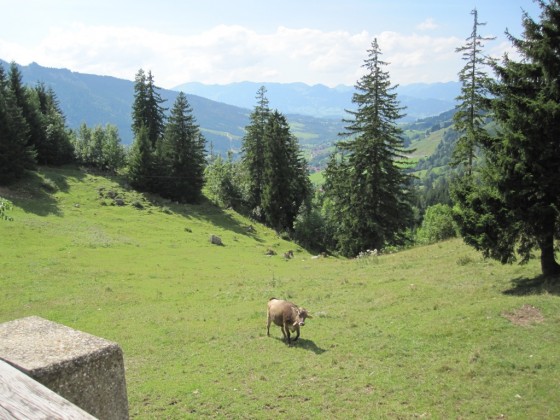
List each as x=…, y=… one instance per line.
x=288, y=316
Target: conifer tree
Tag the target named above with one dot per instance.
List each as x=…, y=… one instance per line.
x=473, y=104
x=29, y=107
x=147, y=109
x=141, y=162
x=514, y=207
x=56, y=147
x=139, y=113
x=285, y=182
x=369, y=192
x=15, y=154
x=183, y=154
x=253, y=151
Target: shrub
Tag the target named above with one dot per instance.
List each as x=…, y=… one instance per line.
x=5, y=205
x=437, y=225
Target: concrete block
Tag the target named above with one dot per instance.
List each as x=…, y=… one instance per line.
x=84, y=369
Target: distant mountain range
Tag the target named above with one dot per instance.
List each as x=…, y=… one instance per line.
x=222, y=112
x=421, y=100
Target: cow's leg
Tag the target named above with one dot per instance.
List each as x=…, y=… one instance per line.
x=268, y=324
x=286, y=332
x=297, y=333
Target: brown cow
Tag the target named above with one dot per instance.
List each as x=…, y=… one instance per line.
x=287, y=316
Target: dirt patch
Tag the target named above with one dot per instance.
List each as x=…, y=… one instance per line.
x=526, y=315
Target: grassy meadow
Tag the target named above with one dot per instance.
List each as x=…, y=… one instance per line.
x=430, y=332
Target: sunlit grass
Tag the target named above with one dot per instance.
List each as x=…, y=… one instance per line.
x=420, y=333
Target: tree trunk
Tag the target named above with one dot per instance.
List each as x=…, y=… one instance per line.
x=549, y=265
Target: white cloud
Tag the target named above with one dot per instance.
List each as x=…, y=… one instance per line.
x=428, y=25
x=420, y=58
x=225, y=54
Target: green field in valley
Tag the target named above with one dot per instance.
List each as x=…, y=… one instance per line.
x=430, y=332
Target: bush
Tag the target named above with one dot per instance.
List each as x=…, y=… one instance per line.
x=5, y=205
x=437, y=225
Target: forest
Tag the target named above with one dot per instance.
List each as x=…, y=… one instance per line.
x=499, y=190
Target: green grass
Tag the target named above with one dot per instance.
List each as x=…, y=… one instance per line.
x=317, y=178
x=420, y=333
x=427, y=145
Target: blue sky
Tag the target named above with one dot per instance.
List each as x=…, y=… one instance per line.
x=224, y=41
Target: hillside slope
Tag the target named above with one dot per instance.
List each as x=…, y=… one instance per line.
x=430, y=332
x=102, y=99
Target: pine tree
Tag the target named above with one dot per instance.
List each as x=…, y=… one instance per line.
x=368, y=190
x=155, y=111
x=141, y=162
x=29, y=107
x=56, y=147
x=285, y=183
x=147, y=109
x=253, y=151
x=514, y=208
x=140, y=104
x=15, y=154
x=183, y=151
x=473, y=105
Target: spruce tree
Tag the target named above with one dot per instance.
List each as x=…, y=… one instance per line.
x=366, y=184
x=56, y=148
x=155, y=111
x=16, y=155
x=253, y=151
x=139, y=113
x=147, y=109
x=514, y=207
x=141, y=162
x=285, y=183
x=472, y=110
x=29, y=107
x=183, y=154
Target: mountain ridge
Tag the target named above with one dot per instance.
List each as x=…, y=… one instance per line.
x=100, y=100
x=420, y=99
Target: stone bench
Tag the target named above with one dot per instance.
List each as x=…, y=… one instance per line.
x=86, y=370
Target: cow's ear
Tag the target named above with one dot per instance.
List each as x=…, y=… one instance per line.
x=309, y=315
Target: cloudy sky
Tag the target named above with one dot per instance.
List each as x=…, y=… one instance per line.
x=224, y=41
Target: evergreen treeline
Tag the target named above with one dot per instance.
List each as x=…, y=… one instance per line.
x=167, y=156
x=502, y=193
x=32, y=127
x=271, y=181
x=368, y=189
x=510, y=205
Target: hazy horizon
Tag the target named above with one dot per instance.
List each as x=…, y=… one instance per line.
x=223, y=42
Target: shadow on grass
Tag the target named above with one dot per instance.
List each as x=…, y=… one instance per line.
x=304, y=344
x=34, y=193
x=309, y=345
x=523, y=286
x=209, y=212
x=204, y=210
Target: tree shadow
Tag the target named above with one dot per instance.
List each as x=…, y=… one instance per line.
x=523, y=286
x=34, y=193
x=207, y=211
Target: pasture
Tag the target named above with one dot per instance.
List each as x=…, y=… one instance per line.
x=430, y=332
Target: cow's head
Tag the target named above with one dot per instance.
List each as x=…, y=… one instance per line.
x=302, y=314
